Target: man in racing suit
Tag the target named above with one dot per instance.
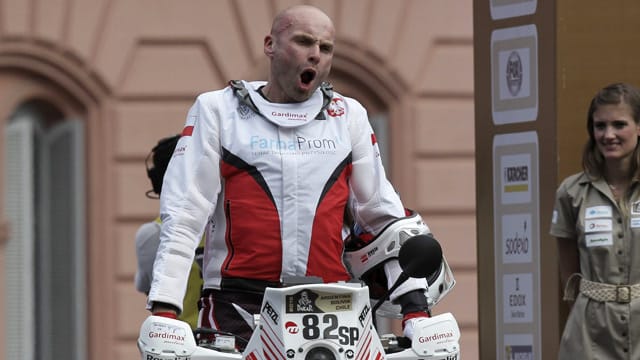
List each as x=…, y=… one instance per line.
x=266, y=170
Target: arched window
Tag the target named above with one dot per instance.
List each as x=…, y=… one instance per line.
x=45, y=255
x=374, y=99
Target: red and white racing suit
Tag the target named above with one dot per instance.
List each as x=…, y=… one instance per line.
x=271, y=189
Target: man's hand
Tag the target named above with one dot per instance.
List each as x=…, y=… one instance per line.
x=410, y=320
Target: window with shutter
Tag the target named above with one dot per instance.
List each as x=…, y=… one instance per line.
x=19, y=263
x=45, y=187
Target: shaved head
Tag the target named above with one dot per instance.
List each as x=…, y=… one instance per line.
x=298, y=13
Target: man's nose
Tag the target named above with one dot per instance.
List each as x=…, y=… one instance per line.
x=314, y=54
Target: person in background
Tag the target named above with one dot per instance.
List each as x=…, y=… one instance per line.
x=266, y=169
x=148, y=235
x=596, y=220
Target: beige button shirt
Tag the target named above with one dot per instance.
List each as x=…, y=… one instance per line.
x=609, y=248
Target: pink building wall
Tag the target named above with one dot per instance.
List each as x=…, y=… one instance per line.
x=131, y=69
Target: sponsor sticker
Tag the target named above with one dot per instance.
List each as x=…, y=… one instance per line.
x=292, y=327
x=336, y=107
x=518, y=352
x=518, y=347
x=601, y=239
x=518, y=298
x=516, y=238
x=270, y=312
x=597, y=225
x=168, y=333
x=516, y=178
x=603, y=211
x=307, y=301
x=502, y=9
x=514, y=74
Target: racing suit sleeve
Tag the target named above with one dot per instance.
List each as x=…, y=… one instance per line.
x=374, y=201
x=189, y=192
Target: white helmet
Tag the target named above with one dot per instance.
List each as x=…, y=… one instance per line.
x=440, y=283
x=362, y=259
x=365, y=261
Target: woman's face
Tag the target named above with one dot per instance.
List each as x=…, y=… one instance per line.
x=615, y=131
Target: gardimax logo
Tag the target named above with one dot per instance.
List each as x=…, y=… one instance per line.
x=289, y=115
x=166, y=335
x=435, y=337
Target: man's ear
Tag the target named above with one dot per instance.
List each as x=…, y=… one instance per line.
x=268, y=45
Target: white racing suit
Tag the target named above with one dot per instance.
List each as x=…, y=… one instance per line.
x=269, y=191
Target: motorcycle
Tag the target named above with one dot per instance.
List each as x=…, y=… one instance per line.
x=332, y=321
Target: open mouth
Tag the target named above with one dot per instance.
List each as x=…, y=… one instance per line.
x=307, y=76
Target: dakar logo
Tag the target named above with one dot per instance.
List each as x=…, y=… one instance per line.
x=305, y=303
x=302, y=302
x=336, y=107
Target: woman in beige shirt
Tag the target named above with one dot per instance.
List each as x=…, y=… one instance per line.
x=596, y=221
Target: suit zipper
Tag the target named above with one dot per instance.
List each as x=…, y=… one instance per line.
x=227, y=210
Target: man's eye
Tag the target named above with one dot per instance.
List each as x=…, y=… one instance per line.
x=326, y=49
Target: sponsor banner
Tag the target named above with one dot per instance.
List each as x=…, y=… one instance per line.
x=514, y=74
x=516, y=238
x=502, y=9
x=516, y=178
x=517, y=298
x=307, y=301
x=516, y=201
x=518, y=347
